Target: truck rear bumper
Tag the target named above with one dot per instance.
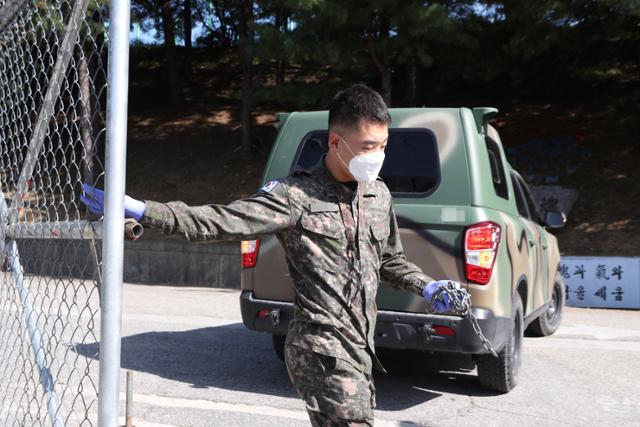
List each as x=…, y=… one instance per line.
x=394, y=329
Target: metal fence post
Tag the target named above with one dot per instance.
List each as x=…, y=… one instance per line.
x=46, y=380
x=113, y=243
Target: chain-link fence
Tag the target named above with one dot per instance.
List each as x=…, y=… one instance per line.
x=53, y=90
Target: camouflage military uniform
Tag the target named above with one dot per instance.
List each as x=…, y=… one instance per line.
x=334, y=262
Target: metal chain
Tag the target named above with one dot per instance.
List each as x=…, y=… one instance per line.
x=461, y=301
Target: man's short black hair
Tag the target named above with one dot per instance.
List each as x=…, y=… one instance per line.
x=356, y=103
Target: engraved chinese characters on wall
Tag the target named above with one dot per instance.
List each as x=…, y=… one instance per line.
x=601, y=281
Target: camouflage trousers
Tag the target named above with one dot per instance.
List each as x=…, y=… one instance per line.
x=335, y=392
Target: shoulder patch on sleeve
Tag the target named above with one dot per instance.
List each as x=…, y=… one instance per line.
x=269, y=186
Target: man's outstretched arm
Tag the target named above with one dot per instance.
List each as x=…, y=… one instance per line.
x=266, y=212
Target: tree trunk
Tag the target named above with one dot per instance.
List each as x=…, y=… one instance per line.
x=170, y=52
x=187, y=26
x=92, y=102
x=187, y=32
x=281, y=64
x=384, y=69
x=86, y=128
x=382, y=61
x=411, y=82
x=281, y=73
x=385, y=77
x=223, y=32
x=246, y=41
x=188, y=45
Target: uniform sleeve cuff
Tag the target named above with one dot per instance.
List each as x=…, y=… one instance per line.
x=156, y=215
x=419, y=281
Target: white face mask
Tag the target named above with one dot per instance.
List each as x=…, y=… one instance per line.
x=365, y=167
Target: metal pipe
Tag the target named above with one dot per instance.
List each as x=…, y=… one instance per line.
x=129, y=408
x=31, y=318
x=132, y=229
x=76, y=230
x=113, y=242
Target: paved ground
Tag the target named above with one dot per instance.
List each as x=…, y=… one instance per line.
x=195, y=364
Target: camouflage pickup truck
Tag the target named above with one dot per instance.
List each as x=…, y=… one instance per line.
x=464, y=214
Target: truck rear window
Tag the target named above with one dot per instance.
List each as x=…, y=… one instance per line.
x=497, y=170
x=411, y=166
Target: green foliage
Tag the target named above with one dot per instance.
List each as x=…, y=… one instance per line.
x=503, y=44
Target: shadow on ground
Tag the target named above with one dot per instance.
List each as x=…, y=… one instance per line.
x=233, y=358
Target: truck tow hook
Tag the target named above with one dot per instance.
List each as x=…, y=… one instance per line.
x=427, y=331
x=274, y=315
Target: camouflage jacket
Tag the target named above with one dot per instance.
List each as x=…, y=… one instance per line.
x=335, y=304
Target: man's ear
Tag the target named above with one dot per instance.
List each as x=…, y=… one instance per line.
x=333, y=140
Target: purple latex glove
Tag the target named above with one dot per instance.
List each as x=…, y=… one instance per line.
x=443, y=302
x=94, y=199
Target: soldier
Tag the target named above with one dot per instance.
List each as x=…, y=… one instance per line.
x=338, y=229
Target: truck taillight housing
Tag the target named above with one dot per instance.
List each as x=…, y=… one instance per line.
x=481, y=243
x=249, y=250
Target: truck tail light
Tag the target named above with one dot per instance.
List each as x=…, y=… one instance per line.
x=481, y=242
x=249, y=250
x=443, y=330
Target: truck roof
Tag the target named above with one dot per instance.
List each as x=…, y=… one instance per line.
x=458, y=135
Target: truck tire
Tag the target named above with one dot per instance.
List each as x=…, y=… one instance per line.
x=278, y=345
x=501, y=373
x=549, y=321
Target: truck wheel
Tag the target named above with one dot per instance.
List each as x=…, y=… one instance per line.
x=549, y=321
x=278, y=345
x=501, y=373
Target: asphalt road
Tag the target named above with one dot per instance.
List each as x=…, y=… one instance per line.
x=195, y=364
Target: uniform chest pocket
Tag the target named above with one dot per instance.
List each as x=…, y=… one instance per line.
x=323, y=223
x=380, y=231
x=322, y=237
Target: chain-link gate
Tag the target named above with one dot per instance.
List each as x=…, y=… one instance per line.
x=53, y=127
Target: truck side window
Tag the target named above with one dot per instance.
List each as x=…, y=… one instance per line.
x=533, y=208
x=520, y=202
x=313, y=146
x=411, y=166
x=497, y=169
